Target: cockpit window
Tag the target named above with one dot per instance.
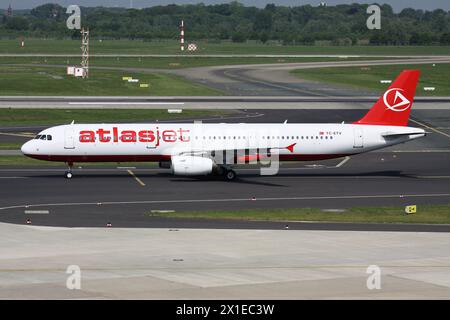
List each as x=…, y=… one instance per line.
x=44, y=137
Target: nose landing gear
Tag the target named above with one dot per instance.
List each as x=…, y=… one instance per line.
x=68, y=174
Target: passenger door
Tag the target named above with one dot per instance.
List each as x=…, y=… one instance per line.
x=358, y=138
x=69, y=138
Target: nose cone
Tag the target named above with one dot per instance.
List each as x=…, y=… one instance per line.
x=27, y=148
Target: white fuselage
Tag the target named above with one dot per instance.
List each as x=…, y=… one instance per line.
x=160, y=142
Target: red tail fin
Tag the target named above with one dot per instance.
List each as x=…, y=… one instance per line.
x=394, y=106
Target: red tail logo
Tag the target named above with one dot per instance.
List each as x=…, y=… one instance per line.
x=398, y=102
x=394, y=107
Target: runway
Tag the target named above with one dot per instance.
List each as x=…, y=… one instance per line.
x=417, y=172
x=211, y=102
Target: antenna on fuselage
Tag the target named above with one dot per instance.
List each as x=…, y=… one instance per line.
x=73, y=121
x=285, y=121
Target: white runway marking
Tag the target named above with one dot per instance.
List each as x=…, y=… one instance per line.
x=37, y=212
x=17, y=135
x=127, y=103
x=340, y=164
x=416, y=151
x=13, y=177
x=385, y=196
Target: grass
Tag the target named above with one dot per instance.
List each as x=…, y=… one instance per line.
x=207, y=47
x=369, y=77
x=22, y=117
x=10, y=146
x=41, y=81
x=436, y=214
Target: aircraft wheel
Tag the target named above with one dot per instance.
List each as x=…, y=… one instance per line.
x=68, y=175
x=230, y=175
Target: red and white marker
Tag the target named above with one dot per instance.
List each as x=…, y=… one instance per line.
x=182, y=35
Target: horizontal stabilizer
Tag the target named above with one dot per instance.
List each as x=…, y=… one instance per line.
x=402, y=134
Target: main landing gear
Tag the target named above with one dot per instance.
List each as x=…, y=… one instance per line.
x=68, y=174
x=230, y=175
x=226, y=172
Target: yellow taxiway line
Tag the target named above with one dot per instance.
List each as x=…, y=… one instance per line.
x=136, y=178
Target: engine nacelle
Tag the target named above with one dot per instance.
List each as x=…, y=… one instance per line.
x=191, y=166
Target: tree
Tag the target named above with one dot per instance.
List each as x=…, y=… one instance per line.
x=238, y=37
x=263, y=21
x=264, y=37
x=445, y=39
x=17, y=23
x=303, y=24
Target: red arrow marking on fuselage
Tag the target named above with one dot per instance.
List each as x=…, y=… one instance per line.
x=291, y=147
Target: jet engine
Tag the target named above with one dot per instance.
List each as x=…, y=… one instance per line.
x=191, y=165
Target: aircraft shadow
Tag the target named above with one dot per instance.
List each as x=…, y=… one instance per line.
x=241, y=178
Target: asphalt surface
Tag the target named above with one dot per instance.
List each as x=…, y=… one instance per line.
x=250, y=103
x=417, y=172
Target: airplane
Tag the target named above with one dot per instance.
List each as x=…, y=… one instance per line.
x=196, y=149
